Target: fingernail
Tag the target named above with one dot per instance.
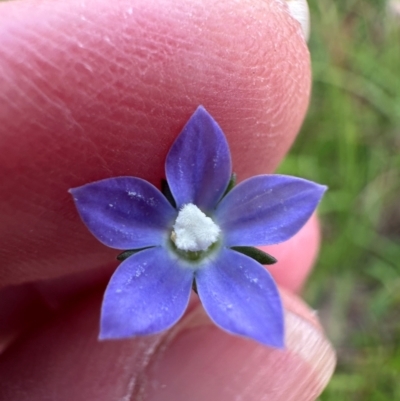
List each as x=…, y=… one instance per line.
x=202, y=362
x=300, y=12
x=394, y=8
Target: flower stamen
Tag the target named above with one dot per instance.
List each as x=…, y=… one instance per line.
x=193, y=230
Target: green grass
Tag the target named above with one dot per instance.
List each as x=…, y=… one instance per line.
x=351, y=142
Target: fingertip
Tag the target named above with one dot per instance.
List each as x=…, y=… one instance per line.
x=96, y=85
x=195, y=360
x=296, y=256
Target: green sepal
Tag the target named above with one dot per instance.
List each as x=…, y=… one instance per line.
x=194, y=286
x=254, y=253
x=231, y=184
x=125, y=255
x=165, y=189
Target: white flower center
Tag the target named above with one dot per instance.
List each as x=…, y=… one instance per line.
x=193, y=230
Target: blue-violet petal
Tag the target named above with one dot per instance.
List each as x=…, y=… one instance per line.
x=267, y=209
x=148, y=293
x=198, y=165
x=241, y=297
x=124, y=212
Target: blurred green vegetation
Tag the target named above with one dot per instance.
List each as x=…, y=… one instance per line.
x=351, y=141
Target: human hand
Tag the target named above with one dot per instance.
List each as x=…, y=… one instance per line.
x=99, y=89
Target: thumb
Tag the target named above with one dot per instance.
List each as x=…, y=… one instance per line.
x=194, y=361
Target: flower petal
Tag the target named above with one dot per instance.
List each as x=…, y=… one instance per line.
x=241, y=297
x=267, y=209
x=198, y=165
x=124, y=212
x=147, y=294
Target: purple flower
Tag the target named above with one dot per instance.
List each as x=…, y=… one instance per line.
x=201, y=237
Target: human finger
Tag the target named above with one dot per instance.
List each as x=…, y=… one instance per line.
x=98, y=89
x=195, y=360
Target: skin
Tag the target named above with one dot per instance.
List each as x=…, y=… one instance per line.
x=100, y=89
